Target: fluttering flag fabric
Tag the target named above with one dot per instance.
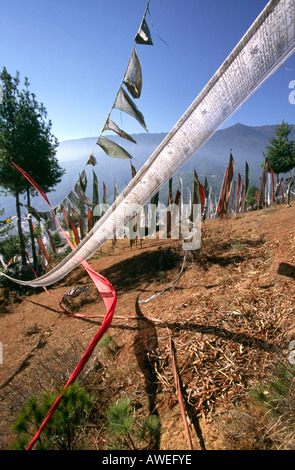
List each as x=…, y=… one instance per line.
x=83, y=180
x=95, y=200
x=228, y=186
x=104, y=198
x=112, y=149
x=52, y=242
x=238, y=192
x=82, y=226
x=116, y=192
x=65, y=217
x=246, y=177
x=133, y=76
x=222, y=192
x=91, y=160
x=143, y=35
x=47, y=216
x=33, y=212
x=223, y=202
x=81, y=195
x=78, y=205
x=199, y=192
x=181, y=196
x=90, y=217
x=246, y=184
x=112, y=126
x=177, y=197
x=169, y=204
x=133, y=170
x=42, y=247
x=71, y=233
x=75, y=231
x=232, y=205
x=272, y=185
x=210, y=208
x=170, y=191
x=33, y=183
x=262, y=183
x=125, y=103
x=241, y=196
x=268, y=189
x=202, y=196
x=71, y=210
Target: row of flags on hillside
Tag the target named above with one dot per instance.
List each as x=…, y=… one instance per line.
x=130, y=89
x=77, y=209
x=80, y=213
x=233, y=194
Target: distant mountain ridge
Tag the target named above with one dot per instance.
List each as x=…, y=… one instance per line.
x=246, y=143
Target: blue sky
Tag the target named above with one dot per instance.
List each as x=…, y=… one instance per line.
x=75, y=53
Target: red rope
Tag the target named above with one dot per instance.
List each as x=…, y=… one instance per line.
x=110, y=300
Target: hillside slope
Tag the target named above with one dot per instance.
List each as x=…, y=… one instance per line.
x=230, y=315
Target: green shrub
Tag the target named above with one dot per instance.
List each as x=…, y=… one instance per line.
x=127, y=432
x=64, y=430
x=277, y=396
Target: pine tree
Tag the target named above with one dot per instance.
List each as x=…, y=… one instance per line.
x=281, y=151
x=25, y=139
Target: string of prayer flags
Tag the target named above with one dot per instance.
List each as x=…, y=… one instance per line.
x=132, y=80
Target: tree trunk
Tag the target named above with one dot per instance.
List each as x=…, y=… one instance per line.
x=35, y=260
x=19, y=228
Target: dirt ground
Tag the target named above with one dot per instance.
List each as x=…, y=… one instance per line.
x=230, y=316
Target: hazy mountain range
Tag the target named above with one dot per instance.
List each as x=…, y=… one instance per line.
x=247, y=144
